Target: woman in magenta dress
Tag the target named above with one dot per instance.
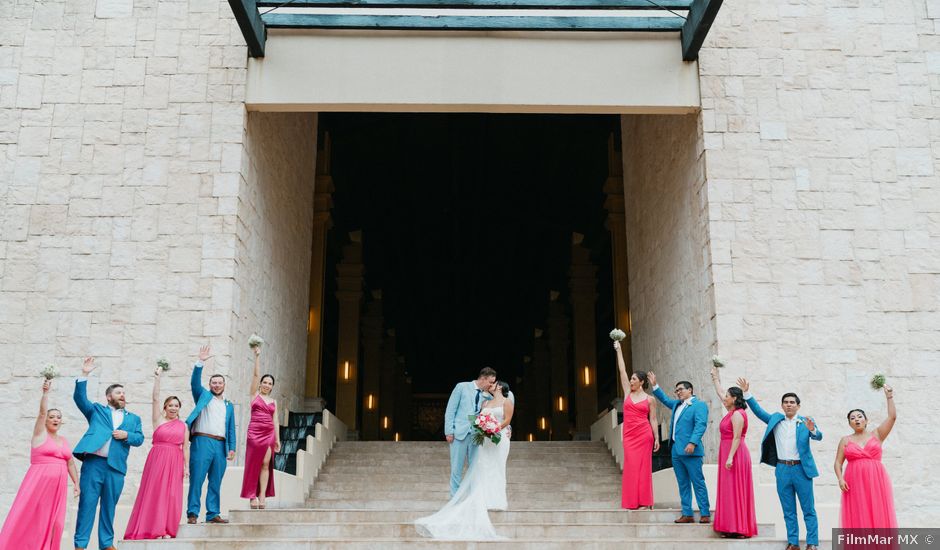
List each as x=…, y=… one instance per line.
x=159, y=505
x=867, y=497
x=264, y=439
x=639, y=439
x=37, y=517
x=735, y=516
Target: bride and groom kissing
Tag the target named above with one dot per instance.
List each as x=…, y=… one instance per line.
x=483, y=488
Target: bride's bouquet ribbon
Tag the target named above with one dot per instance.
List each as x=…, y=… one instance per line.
x=485, y=426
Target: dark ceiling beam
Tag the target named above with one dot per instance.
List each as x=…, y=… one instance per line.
x=470, y=23
x=249, y=21
x=701, y=16
x=487, y=4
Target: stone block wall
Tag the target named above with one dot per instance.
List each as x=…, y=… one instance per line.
x=671, y=304
x=822, y=144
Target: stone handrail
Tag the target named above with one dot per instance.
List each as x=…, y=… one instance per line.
x=318, y=448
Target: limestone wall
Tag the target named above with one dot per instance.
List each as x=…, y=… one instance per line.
x=671, y=304
x=822, y=144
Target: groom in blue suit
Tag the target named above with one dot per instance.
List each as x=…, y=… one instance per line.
x=466, y=399
x=103, y=450
x=785, y=446
x=689, y=420
x=212, y=441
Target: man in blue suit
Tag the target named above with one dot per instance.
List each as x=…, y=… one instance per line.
x=785, y=446
x=689, y=420
x=212, y=441
x=103, y=451
x=466, y=399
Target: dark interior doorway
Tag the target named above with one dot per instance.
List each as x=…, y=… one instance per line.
x=466, y=224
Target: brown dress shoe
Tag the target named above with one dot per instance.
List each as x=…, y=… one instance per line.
x=811, y=547
x=191, y=520
x=705, y=519
x=111, y=548
x=685, y=519
x=793, y=547
x=217, y=519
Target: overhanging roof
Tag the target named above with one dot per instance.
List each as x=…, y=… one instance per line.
x=690, y=18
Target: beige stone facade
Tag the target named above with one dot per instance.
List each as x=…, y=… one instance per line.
x=791, y=226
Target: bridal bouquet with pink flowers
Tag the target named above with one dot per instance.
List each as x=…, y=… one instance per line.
x=485, y=426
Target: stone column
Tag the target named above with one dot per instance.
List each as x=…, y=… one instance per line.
x=616, y=224
x=371, y=367
x=558, y=327
x=540, y=373
x=322, y=202
x=583, y=297
x=349, y=295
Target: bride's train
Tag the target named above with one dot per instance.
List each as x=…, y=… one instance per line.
x=483, y=488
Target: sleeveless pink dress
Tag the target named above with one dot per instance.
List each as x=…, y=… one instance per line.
x=734, y=509
x=37, y=518
x=159, y=505
x=637, y=481
x=869, y=502
x=261, y=437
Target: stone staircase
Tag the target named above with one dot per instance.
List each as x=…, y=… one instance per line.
x=561, y=495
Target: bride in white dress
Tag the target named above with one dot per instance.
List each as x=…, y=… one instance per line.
x=483, y=488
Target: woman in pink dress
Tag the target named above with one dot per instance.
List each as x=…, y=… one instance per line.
x=867, y=498
x=37, y=517
x=264, y=439
x=735, y=516
x=639, y=438
x=159, y=505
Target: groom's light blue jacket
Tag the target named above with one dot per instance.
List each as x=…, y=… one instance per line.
x=462, y=403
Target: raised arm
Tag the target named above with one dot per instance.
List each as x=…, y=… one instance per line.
x=622, y=368
x=885, y=427
x=716, y=380
x=80, y=396
x=195, y=383
x=40, y=427
x=759, y=412
x=256, y=376
x=737, y=426
x=659, y=393
x=840, y=458
x=156, y=411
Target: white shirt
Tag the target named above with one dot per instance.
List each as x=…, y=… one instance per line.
x=785, y=437
x=212, y=418
x=117, y=416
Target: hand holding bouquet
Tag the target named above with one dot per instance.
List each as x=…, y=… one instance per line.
x=485, y=426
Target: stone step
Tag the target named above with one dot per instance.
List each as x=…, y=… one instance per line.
x=517, y=492
x=443, y=449
x=399, y=530
x=219, y=543
x=405, y=462
x=420, y=445
x=318, y=515
x=437, y=503
x=442, y=471
x=336, y=482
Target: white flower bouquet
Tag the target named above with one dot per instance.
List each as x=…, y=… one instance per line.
x=617, y=335
x=49, y=372
x=717, y=362
x=163, y=364
x=255, y=341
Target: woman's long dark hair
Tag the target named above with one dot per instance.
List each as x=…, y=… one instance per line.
x=738, y=396
x=504, y=387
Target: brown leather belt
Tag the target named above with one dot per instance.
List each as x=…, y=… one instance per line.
x=210, y=436
x=788, y=462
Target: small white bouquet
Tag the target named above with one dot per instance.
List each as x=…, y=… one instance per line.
x=878, y=382
x=163, y=364
x=49, y=372
x=617, y=335
x=717, y=362
x=255, y=341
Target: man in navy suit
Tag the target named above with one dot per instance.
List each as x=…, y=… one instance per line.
x=785, y=446
x=689, y=420
x=103, y=450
